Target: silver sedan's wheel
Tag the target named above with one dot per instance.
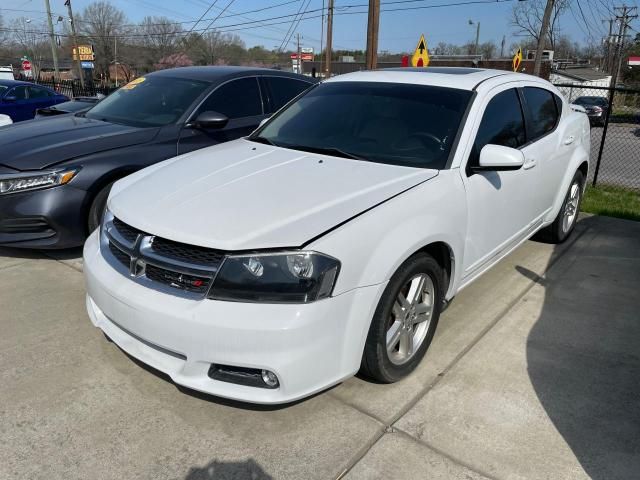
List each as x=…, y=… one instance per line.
x=410, y=318
x=571, y=207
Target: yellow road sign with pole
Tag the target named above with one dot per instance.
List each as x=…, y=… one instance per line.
x=517, y=60
x=420, y=57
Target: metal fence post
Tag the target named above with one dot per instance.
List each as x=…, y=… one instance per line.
x=604, y=135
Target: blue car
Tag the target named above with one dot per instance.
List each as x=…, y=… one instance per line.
x=20, y=100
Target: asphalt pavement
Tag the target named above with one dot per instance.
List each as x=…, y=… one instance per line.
x=533, y=373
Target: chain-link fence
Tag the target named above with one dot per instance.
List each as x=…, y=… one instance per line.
x=614, y=114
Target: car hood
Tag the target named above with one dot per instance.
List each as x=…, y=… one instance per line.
x=244, y=195
x=38, y=144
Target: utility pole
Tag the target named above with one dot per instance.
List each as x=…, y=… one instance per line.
x=504, y=39
x=607, y=61
x=477, y=39
x=327, y=70
x=624, y=24
x=115, y=56
x=299, y=55
x=321, y=38
x=544, y=28
x=54, y=52
x=373, y=25
x=75, y=42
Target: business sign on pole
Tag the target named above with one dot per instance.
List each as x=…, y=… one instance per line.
x=306, y=57
x=84, y=53
x=420, y=57
x=306, y=49
x=634, y=61
x=87, y=65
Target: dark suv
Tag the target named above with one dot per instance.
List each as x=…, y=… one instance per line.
x=55, y=175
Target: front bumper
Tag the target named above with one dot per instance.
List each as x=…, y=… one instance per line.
x=309, y=347
x=48, y=218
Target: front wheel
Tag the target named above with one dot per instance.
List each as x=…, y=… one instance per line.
x=404, y=321
x=98, y=206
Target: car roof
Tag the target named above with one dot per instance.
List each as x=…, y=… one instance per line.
x=13, y=83
x=219, y=73
x=452, y=77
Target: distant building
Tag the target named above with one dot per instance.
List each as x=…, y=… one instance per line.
x=580, y=79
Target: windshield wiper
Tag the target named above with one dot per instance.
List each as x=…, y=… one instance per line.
x=334, y=152
x=264, y=140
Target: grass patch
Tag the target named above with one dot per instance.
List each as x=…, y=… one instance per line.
x=612, y=201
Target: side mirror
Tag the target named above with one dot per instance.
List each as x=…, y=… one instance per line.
x=499, y=158
x=10, y=98
x=263, y=121
x=210, y=120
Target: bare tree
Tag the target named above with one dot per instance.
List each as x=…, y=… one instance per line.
x=30, y=42
x=488, y=49
x=526, y=17
x=159, y=38
x=101, y=23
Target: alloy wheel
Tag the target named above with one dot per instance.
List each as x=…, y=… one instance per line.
x=410, y=318
x=571, y=207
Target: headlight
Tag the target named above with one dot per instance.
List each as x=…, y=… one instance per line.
x=285, y=277
x=22, y=182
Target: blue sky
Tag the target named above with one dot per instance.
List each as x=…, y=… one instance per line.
x=399, y=31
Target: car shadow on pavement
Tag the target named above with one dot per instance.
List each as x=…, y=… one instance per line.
x=229, y=471
x=583, y=352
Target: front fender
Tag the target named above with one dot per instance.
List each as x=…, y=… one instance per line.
x=372, y=246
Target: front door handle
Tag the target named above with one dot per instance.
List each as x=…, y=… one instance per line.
x=529, y=163
x=569, y=140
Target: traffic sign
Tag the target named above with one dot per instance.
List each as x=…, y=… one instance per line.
x=88, y=65
x=26, y=65
x=421, y=55
x=517, y=60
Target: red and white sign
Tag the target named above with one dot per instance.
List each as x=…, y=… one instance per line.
x=634, y=61
x=26, y=65
x=306, y=57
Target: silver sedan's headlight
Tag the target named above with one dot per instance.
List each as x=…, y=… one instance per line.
x=22, y=182
x=282, y=277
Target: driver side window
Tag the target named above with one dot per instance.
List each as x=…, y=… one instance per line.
x=235, y=99
x=502, y=124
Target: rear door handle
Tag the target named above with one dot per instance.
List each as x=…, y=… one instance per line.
x=529, y=163
x=569, y=140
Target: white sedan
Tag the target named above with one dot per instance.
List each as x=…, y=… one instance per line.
x=329, y=241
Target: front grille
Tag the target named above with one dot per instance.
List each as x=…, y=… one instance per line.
x=129, y=233
x=122, y=257
x=166, y=262
x=190, y=283
x=186, y=253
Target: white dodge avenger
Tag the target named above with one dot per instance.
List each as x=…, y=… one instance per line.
x=329, y=241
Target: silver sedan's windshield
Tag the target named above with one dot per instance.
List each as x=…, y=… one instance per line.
x=400, y=124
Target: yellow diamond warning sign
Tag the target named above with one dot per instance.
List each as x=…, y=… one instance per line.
x=421, y=55
x=517, y=60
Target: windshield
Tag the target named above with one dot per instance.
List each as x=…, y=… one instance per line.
x=399, y=124
x=149, y=101
x=591, y=101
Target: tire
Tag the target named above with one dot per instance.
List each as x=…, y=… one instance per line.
x=565, y=222
x=414, y=325
x=98, y=207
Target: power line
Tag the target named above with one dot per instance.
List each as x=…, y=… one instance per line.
x=252, y=24
x=202, y=16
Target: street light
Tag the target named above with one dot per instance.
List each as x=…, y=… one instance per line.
x=471, y=22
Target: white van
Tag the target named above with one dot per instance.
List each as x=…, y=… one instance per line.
x=6, y=73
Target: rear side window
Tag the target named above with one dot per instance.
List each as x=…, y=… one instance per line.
x=543, y=111
x=284, y=89
x=502, y=124
x=38, y=93
x=235, y=99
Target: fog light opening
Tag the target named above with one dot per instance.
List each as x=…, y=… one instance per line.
x=270, y=379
